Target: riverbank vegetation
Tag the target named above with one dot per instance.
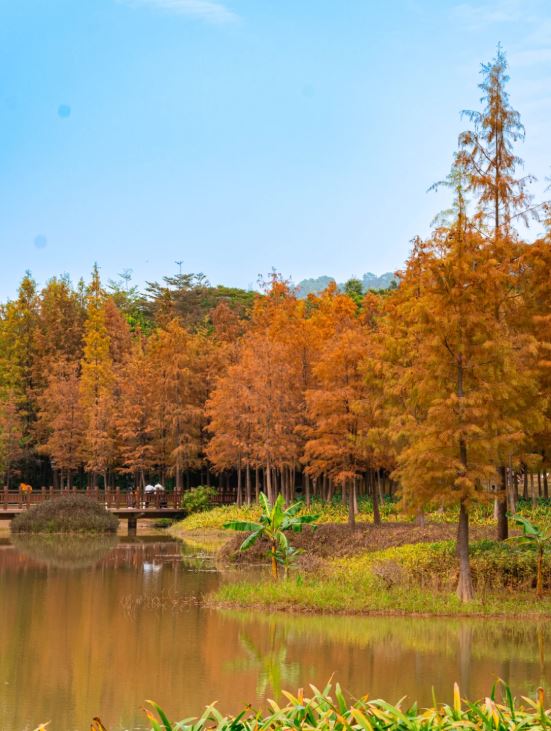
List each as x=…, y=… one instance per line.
x=331, y=710
x=408, y=579
x=397, y=567
x=436, y=390
x=67, y=514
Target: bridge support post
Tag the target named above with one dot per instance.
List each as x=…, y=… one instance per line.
x=132, y=525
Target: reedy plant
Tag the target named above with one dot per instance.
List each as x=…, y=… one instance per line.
x=323, y=712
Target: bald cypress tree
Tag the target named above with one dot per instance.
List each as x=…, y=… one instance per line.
x=489, y=158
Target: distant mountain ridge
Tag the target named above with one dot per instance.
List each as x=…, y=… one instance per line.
x=314, y=285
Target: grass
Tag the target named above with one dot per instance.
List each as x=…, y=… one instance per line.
x=336, y=512
x=67, y=514
x=416, y=578
x=329, y=709
x=411, y=579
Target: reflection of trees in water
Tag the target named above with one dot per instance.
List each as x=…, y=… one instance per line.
x=65, y=551
x=473, y=652
x=271, y=664
x=465, y=647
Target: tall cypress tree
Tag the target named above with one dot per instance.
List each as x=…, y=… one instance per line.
x=488, y=156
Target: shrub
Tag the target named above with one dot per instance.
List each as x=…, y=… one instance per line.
x=163, y=523
x=494, y=565
x=198, y=499
x=67, y=514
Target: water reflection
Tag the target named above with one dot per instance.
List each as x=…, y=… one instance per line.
x=131, y=625
x=64, y=552
x=272, y=667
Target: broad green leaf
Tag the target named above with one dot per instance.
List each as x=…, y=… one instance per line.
x=242, y=525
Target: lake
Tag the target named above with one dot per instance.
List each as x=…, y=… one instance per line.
x=96, y=627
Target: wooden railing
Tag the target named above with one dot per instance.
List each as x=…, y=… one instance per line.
x=113, y=499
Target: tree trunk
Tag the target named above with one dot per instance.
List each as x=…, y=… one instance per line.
x=420, y=519
x=248, y=494
x=274, y=560
x=539, y=577
x=239, y=485
x=307, y=488
x=465, y=586
x=502, y=521
x=268, y=473
x=375, y=492
x=351, y=514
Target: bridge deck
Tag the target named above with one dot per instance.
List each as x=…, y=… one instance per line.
x=12, y=511
x=125, y=504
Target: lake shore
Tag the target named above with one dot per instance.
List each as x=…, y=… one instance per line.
x=397, y=568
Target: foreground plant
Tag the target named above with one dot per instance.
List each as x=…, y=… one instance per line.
x=323, y=711
x=274, y=521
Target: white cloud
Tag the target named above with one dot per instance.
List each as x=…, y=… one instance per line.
x=477, y=16
x=209, y=11
x=530, y=57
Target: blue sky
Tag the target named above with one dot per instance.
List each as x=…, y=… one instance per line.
x=237, y=135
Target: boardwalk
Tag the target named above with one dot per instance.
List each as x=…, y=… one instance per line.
x=125, y=504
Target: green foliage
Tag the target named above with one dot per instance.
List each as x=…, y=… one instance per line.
x=67, y=514
x=272, y=525
x=433, y=566
x=354, y=289
x=329, y=709
x=332, y=512
x=414, y=578
x=336, y=512
x=534, y=538
x=163, y=523
x=198, y=499
x=532, y=535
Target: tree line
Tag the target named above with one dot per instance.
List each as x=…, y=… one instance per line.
x=438, y=388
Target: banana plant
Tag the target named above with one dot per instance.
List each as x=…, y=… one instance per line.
x=534, y=537
x=275, y=520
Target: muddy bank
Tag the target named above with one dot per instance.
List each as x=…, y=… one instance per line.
x=338, y=541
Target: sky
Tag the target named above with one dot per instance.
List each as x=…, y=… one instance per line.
x=239, y=135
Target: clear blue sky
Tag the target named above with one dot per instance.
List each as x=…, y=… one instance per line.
x=237, y=135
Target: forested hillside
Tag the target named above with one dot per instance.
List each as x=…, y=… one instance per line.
x=316, y=285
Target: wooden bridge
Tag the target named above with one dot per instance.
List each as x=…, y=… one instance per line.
x=125, y=504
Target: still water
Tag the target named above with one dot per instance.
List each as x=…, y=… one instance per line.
x=95, y=628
